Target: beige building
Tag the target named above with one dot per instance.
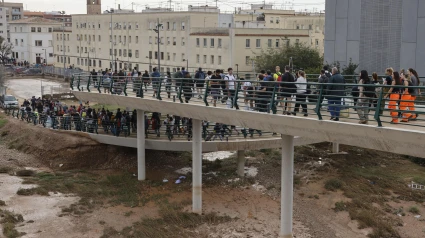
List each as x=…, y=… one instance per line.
x=9, y=11
x=200, y=37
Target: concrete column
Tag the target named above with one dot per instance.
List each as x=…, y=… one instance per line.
x=335, y=147
x=197, y=166
x=241, y=163
x=287, y=186
x=141, y=165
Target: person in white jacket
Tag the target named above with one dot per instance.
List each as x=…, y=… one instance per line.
x=301, y=96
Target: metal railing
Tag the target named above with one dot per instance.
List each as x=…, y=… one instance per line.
x=210, y=132
x=321, y=101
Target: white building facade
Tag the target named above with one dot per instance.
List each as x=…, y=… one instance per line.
x=3, y=22
x=32, y=40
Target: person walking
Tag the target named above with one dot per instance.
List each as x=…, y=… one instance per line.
x=416, y=92
x=300, y=97
x=287, y=88
x=365, y=95
x=406, y=98
x=187, y=87
x=394, y=96
x=168, y=83
x=335, y=92
x=215, y=84
x=146, y=80
x=200, y=82
x=230, y=86
x=155, y=81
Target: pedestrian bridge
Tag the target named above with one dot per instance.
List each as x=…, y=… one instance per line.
x=182, y=97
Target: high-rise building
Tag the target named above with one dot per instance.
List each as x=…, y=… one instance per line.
x=376, y=34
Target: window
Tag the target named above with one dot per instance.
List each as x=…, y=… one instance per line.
x=168, y=25
x=33, y=30
x=38, y=29
x=271, y=19
x=50, y=55
x=125, y=39
x=162, y=55
x=119, y=52
x=219, y=60
x=168, y=40
x=174, y=26
x=182, y=41
x=130, y=54
x=124, y=53
x=182, y=26
x=174, y=56
x=78, y=60
x=119, y=39
x=38, y=43
x=137, y=39
x=205, y=42
x=68, y=48
x=150, y=54
x=197, y=42
x=247, y=59
x=277, y=20
x=16, y=41
x=310, y=27
x=137, y=53
x=219, y=43
x=297, y=41
x=183, y=57
x=50, y=29
x=150, y=39
x=20, y=29
x=94, y=62
x=247, y=43
x=269, y=43
x=99, y=38
x=205, y=59
x=100, y=62
x=317, y=42
x=168, y=56
x=258, y=43
x=277, y=43
x=129, y=39
x=50, y=43
x=78, y=50
x=115, y=52
x=129, y=26
x=212, y=43
x=197, y=59
x=212, y=59
x=161, y=40
x=174, y=41
x=137, y=25
x=298, y=27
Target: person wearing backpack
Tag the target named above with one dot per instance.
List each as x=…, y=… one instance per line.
x=286, y=89
x=200, y=82
x=366, y=92
x=406, y=98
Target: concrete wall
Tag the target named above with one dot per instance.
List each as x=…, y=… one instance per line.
x=391, y=139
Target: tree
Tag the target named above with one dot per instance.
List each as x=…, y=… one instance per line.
x=5, y=50
x=303, y=57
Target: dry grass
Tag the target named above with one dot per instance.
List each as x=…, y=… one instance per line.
x=8, y=221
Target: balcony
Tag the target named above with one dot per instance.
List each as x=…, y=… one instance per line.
x=16, y=13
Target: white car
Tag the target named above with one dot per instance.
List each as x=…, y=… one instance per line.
x=9, y=101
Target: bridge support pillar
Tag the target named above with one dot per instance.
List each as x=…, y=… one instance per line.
x=141, y=165
x=287, y=186
x=197, y=166
x=335, y=147
x=241, y=163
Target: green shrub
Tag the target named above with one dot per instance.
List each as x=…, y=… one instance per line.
x=334, y=184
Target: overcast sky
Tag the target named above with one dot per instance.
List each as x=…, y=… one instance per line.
x=79, y=6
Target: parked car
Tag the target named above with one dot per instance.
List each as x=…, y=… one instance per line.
x=9, y=101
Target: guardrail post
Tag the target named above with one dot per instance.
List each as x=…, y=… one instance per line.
x=272, y=102
x=71, y=83
x=197, y=167
x=99, y=83
x=140, y=91
x=319, y=103
x=88, y=83
x=206, y=93
x=236, y=97
x=179, y=94
x=287, y=186
x=125, y=87
x=158, y=91
x=141, y=166
x=78, y=83
x=378, y=108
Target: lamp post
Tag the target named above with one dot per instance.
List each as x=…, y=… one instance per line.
x=63, y=41
x=158, y=27
x=45, y=57
x=187, y=64
x=88, y=60
x=112, y=42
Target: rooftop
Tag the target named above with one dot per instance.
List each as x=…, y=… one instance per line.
x=34, y=20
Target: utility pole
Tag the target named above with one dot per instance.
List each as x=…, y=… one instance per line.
x=158, y=27
x=63, y=41
x=112, y=40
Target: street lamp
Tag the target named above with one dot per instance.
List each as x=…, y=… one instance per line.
x=112, y=42
x=63, y=40
x=187, y=64
x=158, y=27
x=88, y=60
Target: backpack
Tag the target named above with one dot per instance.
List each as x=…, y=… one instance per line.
x=200, y=75
x=368, y=90
x=279, y=77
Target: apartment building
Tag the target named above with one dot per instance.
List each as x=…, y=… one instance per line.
x=10, y=11
x=200, y=37
x=32, y=39
x=66, y=19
